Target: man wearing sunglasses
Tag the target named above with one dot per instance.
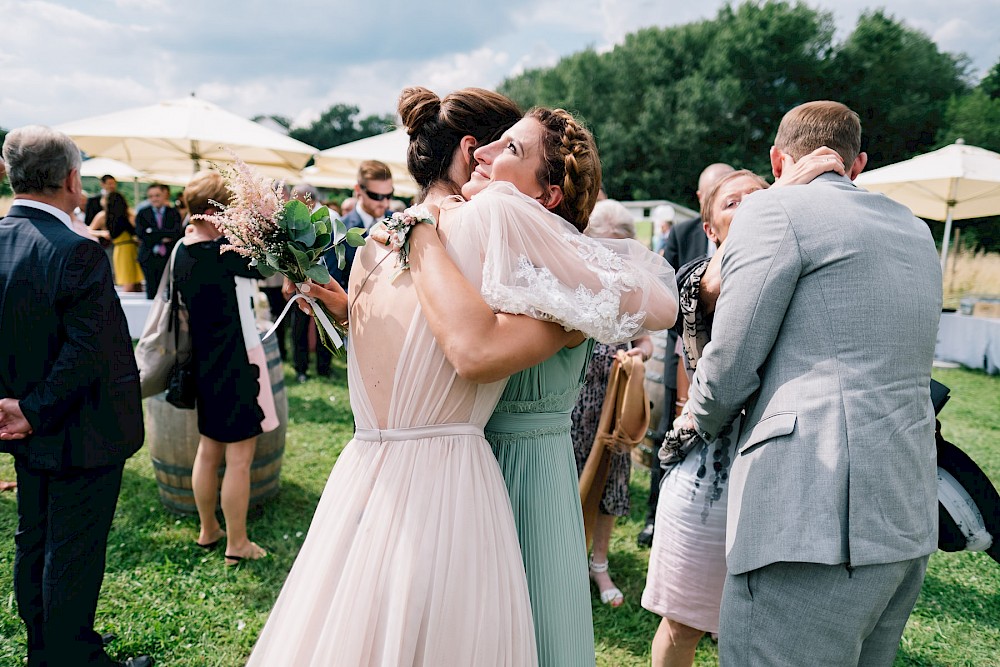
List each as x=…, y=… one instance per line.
x=373, y=193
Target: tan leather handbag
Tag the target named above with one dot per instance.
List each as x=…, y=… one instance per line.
x=622, y=425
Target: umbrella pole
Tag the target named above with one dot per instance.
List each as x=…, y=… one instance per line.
x=947, y=224
x=944, y=241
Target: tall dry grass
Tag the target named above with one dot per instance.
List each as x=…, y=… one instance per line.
x=971, y=272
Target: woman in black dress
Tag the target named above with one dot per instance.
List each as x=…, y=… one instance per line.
x=229, y=415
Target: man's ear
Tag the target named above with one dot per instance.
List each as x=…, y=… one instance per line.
x=72, y=183
x=776, y=161
x=858, y=166
x=551, y=197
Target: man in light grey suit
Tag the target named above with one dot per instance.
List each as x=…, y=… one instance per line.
x=824, y=332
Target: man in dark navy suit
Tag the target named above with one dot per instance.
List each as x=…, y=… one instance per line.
x=70, y=410
x=158, y=227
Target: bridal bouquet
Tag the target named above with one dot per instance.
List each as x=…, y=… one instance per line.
x=282, y=236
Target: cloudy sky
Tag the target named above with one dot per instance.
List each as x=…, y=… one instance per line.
x=63, y=60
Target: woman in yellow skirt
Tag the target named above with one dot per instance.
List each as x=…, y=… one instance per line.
x=117, y=223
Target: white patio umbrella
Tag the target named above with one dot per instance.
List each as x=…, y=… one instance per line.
x=337, y=167
x=171, y=140
x=956, y=182
x=102, y=166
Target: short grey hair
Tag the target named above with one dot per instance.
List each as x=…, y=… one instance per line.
x=611, y=220
x=39, y=159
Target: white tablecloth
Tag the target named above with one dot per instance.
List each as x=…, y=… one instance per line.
x=973, y=342
x=136, y=307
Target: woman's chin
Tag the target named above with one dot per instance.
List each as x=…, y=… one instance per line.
x=475, y=185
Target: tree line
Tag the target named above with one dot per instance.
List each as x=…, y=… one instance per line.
x=669, y=101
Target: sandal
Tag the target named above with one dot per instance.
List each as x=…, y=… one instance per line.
x=233, y=560
x=612, y=596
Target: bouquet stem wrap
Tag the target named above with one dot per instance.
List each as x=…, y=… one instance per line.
x=327, y=327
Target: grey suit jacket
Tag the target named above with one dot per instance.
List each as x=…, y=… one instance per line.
x=825, y=333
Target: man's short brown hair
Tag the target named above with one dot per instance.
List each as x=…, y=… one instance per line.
x=822, y=123
x=373, y=170
x=204, y=188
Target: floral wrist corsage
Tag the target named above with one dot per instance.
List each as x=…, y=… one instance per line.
x=399, y=226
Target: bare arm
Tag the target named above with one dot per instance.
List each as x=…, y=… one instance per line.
x=483, y=346
x=99, y=226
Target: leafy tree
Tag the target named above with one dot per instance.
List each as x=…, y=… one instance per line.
x=900, y=85
x=991, y=83
x=339, y=125
x=975, y=118
x=668, y=101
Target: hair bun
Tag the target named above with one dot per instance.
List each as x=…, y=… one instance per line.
x=417, y=106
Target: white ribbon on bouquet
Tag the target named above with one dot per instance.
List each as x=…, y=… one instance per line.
x=317, y=311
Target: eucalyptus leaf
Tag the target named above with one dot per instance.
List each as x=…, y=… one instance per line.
x=266, y=270
x=322, y=213
x=355, y=236
x=273, y=261
x=323, y=240
x=341, y=255
x=301, y=258
x=324, y=227
x=339, y=230
x=306, y=236
x=296, y=215
x=318, y=273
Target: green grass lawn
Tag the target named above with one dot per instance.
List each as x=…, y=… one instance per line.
x=164, y=596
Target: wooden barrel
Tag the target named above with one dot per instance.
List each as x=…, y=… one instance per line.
x=172, y=437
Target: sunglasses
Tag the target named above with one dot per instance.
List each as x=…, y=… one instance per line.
x=376, y=196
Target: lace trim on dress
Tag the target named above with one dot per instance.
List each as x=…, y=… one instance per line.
x=550, y=403
x=540, y=294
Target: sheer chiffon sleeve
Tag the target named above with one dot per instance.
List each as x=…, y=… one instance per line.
x=535, y=263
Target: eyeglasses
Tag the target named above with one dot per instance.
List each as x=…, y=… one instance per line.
x=376, y=196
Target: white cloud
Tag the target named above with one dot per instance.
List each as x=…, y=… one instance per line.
x=83, y=59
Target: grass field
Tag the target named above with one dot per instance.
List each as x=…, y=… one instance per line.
x=164, y=596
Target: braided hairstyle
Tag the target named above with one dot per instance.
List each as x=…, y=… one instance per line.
x=569, y=160
x=436, y=127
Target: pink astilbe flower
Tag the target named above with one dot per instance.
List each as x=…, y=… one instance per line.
x=251, y=218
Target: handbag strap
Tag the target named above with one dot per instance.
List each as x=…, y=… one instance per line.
x=171, y=289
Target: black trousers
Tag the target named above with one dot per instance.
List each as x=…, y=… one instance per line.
x=152, y=269
x=300, y=341
x=62, y=535
x=276, y=302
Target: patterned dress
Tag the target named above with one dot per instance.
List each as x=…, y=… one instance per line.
x=616, y=500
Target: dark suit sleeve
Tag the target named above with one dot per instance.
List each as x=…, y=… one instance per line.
x=671, y=250
x=85, y=303
x=174, y=227
x=142, y=223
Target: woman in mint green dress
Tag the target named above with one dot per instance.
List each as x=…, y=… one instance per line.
x=538, y=278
